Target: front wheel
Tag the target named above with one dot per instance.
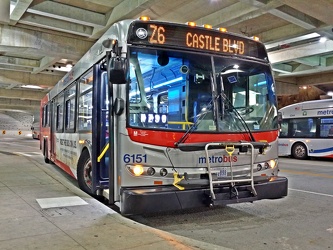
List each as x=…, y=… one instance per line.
x=84, y=172
x=299, y=151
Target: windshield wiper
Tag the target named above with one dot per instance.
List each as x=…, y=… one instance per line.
x=223, y=95
x=200, y=117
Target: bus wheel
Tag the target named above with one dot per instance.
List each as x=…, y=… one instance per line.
x=46, y=160
x=299, y=151
x=84, y=172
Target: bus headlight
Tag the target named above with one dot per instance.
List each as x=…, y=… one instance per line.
x=137, y=170
x=273, y=163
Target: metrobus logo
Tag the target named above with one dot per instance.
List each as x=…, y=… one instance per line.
x=218, y=159
x=325, y=112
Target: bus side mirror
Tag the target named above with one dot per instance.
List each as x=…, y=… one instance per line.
x=117, y=65
x=117, y=70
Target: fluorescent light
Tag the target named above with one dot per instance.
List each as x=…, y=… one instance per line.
x=31, y=87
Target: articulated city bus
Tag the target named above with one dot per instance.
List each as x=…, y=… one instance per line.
x=160, y=116
x=307, y=129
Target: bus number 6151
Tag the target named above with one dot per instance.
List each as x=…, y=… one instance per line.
x=135, y=158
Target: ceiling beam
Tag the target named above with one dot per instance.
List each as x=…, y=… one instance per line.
x=323, y=78
x=226, y=16
x=300, y=51
x=68, y=13
x=23, y=41
x=284, y=12
x=23, y=78
x=14, y=103
x=4, y=11
x=19, y=9
x=45, y=63
x=294, y=16
x=126, y=9
x=6, y=60
x=55, y=24
x=324, y=7
x=22, y=94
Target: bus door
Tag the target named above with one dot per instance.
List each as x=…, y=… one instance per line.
x=100, y=131
x=52, y=130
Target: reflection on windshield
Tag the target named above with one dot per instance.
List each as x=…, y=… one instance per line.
x=177, y=91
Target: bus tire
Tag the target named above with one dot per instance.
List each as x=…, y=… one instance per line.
x=84, y=172
x=46, y=160
x=299, y=151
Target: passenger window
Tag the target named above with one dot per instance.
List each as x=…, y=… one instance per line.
x=85, y=111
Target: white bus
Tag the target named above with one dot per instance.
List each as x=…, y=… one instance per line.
x=161, y=116
x=307, y=129
x=35, y=130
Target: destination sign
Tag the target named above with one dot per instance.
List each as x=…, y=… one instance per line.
x=175, y=35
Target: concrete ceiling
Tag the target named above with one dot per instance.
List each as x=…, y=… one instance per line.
x=38, y=37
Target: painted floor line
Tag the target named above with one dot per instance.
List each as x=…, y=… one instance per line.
x=61, y=202
x=309, y=192
x=30, y=154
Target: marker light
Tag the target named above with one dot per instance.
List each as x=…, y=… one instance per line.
x=223, y=29
x=138, y=170
x=208, y=26
x=144, y=18
x=255, y=38
x=191, y=24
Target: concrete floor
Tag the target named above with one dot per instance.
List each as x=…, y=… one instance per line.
x=41, y=209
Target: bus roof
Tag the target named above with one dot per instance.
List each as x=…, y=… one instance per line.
x=316, y=108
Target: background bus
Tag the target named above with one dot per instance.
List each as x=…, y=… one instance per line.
x=161, y=116
x=307, y=129
x=35, y=130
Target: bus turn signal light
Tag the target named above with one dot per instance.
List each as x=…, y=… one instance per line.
x=191, y=24
x=144, y=18
x=255, y=38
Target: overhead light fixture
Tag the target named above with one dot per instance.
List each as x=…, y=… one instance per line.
x=69, y=65
x=322, y=39
x=31, y=87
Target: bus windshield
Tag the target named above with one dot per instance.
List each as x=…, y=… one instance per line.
x=178, y=90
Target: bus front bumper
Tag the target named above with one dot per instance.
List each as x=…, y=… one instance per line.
x=168, y=198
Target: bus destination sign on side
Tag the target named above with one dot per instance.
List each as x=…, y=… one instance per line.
x=166, y=34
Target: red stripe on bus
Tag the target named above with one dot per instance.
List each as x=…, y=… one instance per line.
x=168, y=139
x=64, y=167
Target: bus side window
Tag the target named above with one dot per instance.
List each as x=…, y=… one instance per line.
x=284, y=129
x=85, y=111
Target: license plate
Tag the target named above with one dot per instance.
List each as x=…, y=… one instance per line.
x=222, y=173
